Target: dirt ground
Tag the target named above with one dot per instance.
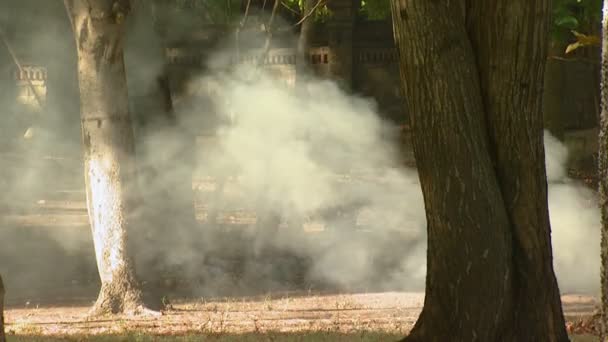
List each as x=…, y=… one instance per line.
x=391, y=312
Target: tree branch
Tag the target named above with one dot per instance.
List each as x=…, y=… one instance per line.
x=584, y=60
x=269, y=32
x=68, y=11
x=289, y=8
x=238, y=30
x=244, y=20
x=18, y=64
x=312, y=10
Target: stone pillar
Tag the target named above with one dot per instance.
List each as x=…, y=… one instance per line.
x=340, y=29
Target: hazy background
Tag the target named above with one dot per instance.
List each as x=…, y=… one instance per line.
x=303, y=156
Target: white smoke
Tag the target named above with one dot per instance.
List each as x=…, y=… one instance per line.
x=318, y=150
x=575, y=223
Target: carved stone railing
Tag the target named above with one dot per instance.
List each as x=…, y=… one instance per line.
x=274, y=57
x=31, y=86
x=194, y=58
x=378, y=56
x=31, y=72
x=286, y=56
x=185, y=57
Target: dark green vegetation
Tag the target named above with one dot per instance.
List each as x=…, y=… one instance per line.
x=579, y=15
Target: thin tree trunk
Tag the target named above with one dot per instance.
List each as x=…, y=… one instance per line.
x=170, y=175
x=164, y=149
x=303, y=44
x=473, y=90
x=2, y=335
x=109, y=154
x=168, y=197
x=554, y=93
x=603, y=173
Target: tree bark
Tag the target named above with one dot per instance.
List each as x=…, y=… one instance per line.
x=109, y=153
x=303, y=44
x=511, y=59
x=169, y=216
x=603, y=173
x=472, y=74
x=2, y=335
x=554, y=92
x=165, y=157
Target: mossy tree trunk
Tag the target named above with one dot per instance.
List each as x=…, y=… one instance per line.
x=473, y=74
x=109, y=152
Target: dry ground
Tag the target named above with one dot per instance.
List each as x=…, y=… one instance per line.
x=389, y=313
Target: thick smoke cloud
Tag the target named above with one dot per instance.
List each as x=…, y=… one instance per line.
x=303, y=153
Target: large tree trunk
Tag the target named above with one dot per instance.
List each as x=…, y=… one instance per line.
x=2, y=335
x=511, y=56
x=473, y=88
x=109, y=156
x=603, y=172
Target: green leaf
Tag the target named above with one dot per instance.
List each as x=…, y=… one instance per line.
x=568, y=22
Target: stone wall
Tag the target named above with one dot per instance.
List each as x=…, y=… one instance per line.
x=370, y=69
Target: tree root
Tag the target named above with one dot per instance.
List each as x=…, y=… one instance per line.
x=116, y=299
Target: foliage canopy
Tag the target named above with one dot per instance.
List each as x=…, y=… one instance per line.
x=577, y=20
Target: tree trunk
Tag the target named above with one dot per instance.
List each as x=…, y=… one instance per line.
x=511, y=62
x=170, y=221
x=109, y=155
x=603, y=172
x=554, y=92
x=165, y=154
x=473, y=88
x=2, y=335
x=303, y=45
